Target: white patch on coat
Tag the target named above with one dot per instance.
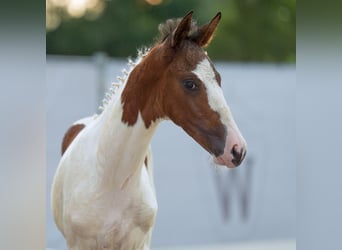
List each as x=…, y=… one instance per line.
x=102, y=194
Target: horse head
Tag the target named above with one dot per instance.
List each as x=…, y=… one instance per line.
x=184, y=86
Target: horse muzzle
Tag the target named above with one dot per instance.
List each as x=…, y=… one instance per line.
x=234, y=151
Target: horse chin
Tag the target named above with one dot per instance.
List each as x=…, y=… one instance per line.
x=223, y=160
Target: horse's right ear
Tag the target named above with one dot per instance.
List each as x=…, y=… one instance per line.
x=182, y=30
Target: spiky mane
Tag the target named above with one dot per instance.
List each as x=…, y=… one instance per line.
x=121, y=80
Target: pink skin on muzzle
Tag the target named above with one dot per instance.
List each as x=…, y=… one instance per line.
x=235, y=149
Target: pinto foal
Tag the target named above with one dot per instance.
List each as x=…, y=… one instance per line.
x=103, y=194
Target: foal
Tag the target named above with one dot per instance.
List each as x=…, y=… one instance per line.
x=103, y=194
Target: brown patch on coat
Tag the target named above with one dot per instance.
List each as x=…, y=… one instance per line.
x=70, y=135
x=140, y=93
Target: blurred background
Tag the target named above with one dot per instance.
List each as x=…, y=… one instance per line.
x=200, y=206
x=250, y=30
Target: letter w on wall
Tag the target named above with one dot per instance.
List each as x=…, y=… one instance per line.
x=234, y=185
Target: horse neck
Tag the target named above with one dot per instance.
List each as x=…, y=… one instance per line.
x=126, y=132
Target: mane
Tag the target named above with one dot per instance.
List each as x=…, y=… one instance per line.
x=121, y=80
x=166, y=29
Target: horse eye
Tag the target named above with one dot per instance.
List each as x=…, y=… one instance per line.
x=190, y=85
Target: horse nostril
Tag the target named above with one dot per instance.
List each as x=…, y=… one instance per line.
x=238, y=154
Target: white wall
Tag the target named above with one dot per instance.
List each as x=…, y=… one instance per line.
x=198, y=203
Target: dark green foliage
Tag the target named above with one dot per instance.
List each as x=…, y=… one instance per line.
x=250, y=30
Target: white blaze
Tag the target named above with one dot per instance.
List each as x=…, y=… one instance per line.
x=217, y=102
x=205, y=72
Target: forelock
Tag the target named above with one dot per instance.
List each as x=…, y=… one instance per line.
x=166, y=29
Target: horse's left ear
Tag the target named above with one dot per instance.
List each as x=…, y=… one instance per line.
x=182, y=30
x=205, y=33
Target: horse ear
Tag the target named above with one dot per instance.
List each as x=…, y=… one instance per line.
x=182, y=30
x=206, y=32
